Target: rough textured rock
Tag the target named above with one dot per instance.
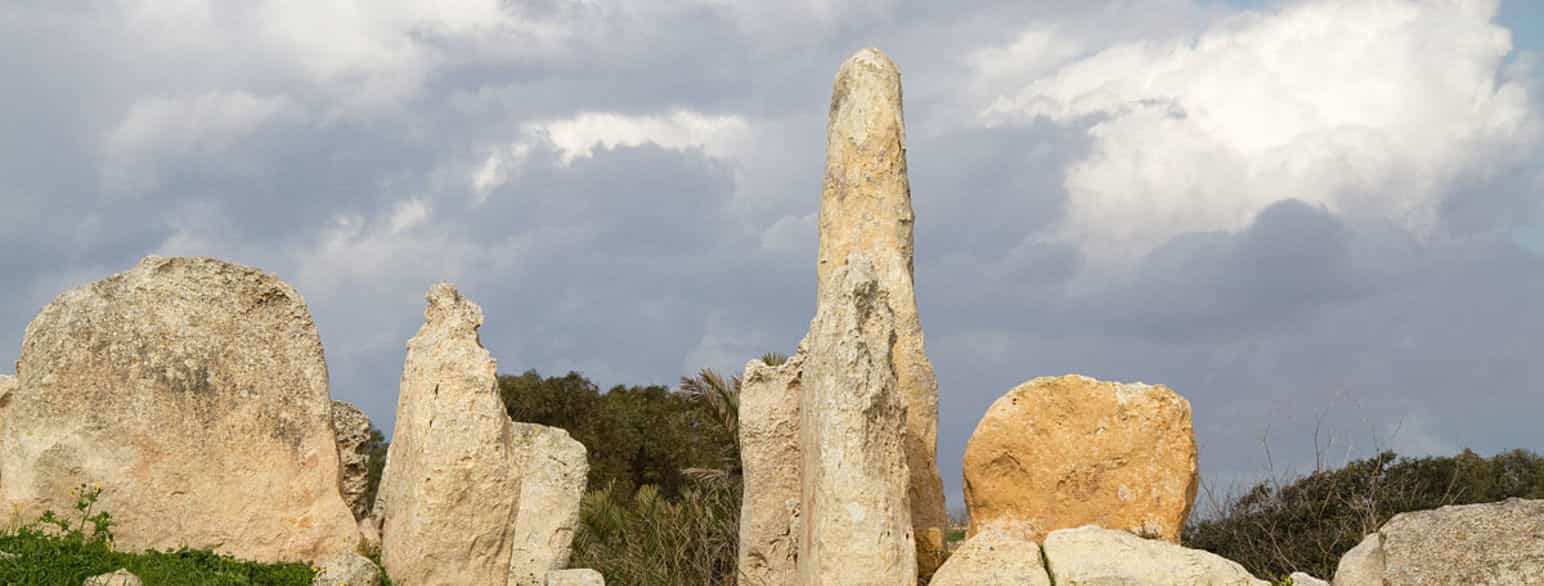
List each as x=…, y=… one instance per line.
x=7, y=384
x=460, y=475
x=994, y=557
x=195, y=392
x=352, y=429
x=583, y=577
x=855, y=512
x=555, y=472
x=1106, y=557
x=770, y=457
x=121, y=577
x=865, y=207
x=1301, y=579
x=1484, y=544
x=349, y=569
x=1061, y=452
x=1363, y=565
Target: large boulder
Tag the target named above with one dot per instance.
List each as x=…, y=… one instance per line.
x=465, y=488
x=556, y=469
x=855, y=512
x=1061, y=452
x=1094, y=556
x=865, y=207
x=352, y=429
x=994, y=557
x=195, y=393
x=1491, y=543
x=769, y=458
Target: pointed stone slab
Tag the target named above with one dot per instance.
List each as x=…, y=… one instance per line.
x=866, y=207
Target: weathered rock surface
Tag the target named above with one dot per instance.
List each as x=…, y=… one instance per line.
x=1363, y=565
x=770, y=457
x=1094, y=556
x=865, y=207
x=195, y=392
x=349, y=569
x=994, y=557
x=453, y=485
x=1061, y=452
x=352, y=429
x=465, y=488
x=855, y=511
x=7, y=384
x=1301, y=579
x=121, y=577
x=581, y=577
x=1483, y=544
x=556, y=467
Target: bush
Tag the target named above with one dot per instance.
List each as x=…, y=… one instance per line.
x=651, y=540
x=1306, y=525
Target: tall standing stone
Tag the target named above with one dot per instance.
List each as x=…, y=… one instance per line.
x=769, y=460
x=195, y=393
x=866, y=207
x=1063, y=452
x=855, y=507
x=352, y=428
x=468, y=496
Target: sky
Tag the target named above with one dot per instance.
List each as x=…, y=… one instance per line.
x=1318, y=220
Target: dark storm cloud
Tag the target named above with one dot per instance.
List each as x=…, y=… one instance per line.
x=346, y=163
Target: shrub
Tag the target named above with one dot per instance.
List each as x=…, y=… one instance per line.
x=653, y=540
x=1307, y=524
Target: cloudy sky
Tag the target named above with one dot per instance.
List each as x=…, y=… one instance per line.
x=1299, y=214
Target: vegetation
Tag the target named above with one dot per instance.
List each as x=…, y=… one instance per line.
x=1307, y=524
x=59, y=550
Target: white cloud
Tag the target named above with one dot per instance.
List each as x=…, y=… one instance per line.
x=577, y=137
x=159, y=129
x=1363, y=106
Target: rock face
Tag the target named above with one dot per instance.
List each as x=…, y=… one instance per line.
x=1069, y=451
x=1093, y=556
x=352, y=429
x=121, y=577
x=194, y=391
x=994, y=557
x=866, y=207
x=1492, y=543
x=1363, y=565
x=460, y=475
x=855, y=510
x=770, y=457
x=556, y=468
x=1301, y=579
x=349, y=569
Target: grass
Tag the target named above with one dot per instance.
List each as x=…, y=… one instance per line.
x=55, y=550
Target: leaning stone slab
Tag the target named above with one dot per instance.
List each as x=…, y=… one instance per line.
x=994, y=557
x=769, y=454
x=352, y=429
x=1302, y=579
x=556, y=468
x=1062, y=452
x=1094, y=556
x=1363, y=564
x=855, y=511
x=195, y=393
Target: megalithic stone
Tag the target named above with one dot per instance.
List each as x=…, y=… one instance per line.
x=855, y=513
x=769, y=459
x=866, y=207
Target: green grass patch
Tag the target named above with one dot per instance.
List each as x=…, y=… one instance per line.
x=44, y=559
